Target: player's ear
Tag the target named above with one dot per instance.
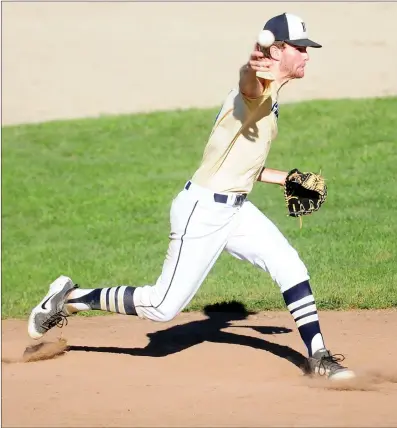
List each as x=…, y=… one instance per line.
x=275, y=52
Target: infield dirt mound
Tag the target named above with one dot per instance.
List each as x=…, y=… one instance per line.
x=221, y=370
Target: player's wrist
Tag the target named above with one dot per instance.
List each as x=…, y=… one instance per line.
x=273, y=176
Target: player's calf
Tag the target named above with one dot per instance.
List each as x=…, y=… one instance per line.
x=119, y=300
x=123, y=300
x=301, y=304
x=65, y=298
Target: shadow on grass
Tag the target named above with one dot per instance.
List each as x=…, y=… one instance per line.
x=180, y=337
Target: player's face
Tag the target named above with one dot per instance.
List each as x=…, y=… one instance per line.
x=293, y=61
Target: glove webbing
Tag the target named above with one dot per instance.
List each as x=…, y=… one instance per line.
x=314, y=182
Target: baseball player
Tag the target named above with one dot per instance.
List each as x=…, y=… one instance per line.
x=212, y=214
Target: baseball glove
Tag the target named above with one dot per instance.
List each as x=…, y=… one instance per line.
x=304, y=192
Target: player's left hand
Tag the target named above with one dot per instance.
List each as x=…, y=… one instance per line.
x=304, y=192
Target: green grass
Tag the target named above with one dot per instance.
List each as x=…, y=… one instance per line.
x=91, y=198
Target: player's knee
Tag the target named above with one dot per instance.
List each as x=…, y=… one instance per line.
x=285, y=267
x=293, y=271
x=166, y=314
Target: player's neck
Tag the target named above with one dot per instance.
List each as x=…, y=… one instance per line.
x=280, y=77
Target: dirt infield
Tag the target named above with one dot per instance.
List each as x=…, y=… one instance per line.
x=199, y=371
x=71, y=60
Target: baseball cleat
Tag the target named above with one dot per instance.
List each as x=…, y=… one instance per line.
x=324, y=363
x=50, y=311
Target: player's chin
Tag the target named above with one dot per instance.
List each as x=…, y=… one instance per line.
x=299, y=73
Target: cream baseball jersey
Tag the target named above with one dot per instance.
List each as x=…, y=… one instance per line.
x=240, y=141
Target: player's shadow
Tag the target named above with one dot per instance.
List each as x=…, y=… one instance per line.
x=180, y=337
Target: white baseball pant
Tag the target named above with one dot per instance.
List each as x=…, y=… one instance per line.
x=200, y=230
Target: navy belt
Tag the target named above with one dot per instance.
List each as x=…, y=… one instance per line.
x=222, y=199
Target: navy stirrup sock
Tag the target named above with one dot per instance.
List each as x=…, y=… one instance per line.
x=300, y=302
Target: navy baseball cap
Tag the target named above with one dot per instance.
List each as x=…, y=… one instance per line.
x=290, y=29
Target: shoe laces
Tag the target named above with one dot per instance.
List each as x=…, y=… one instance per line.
x=59, y=319
x=330, y=362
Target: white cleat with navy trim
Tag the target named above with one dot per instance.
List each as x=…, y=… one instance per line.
x=50, y=311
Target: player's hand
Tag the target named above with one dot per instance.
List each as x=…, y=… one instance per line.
x=257, y=61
